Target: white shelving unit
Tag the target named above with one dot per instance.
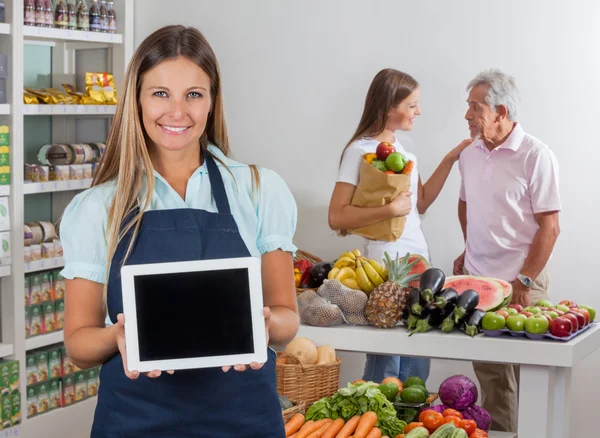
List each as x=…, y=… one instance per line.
x=71, y=53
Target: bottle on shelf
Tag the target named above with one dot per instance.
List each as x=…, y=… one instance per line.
x=83, y=16
x=49, y=13
x=62, y=15
x=95, y=24
x=112, y=17
x=40, y=13
x=29, y=18
x=103, y=16
x=72, y=14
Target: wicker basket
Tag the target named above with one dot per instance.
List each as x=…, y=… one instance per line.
x=304, y=255
x=308, y=383
x=299, y=408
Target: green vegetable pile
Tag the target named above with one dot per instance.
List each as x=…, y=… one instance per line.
x=356, y=400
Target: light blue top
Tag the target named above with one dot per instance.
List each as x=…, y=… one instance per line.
x=266, y=222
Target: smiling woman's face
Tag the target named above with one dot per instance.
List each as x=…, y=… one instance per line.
x=402, y=117
x=175, y=102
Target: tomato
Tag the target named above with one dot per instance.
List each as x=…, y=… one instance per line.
x=451, y=413
x=479, y=434
x=412, y=426
x=432, y=420
x=425, y=412
x=469, y=425
x=457, y=421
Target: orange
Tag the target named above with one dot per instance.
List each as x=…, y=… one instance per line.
x=395, y=380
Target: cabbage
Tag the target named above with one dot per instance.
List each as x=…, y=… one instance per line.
x=458, y=392
x=480, y=415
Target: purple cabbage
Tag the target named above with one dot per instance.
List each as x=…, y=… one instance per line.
x=479, y=415
x=458, y=392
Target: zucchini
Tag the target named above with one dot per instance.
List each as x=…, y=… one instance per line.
x=459, y=433
x=419, y=432
x=444, y=431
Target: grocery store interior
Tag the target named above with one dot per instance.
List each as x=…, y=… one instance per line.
x=294, y=79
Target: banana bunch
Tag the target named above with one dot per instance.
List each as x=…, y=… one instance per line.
x=357, y=272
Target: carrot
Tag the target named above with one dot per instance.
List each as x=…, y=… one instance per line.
x=333, y=428
x=318, y=433
x=294, y=424
x=366, y=423
x=375, y=433
x=408, y=168
x=349, y=427
x=307, y=429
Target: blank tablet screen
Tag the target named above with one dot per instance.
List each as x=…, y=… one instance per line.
x=193, y=314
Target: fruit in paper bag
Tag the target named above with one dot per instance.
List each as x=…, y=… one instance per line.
x=380, y=165
x=384, y=149
x=395, y=162
x=303, y=350
x=492, y=293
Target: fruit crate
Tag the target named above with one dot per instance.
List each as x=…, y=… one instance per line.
x=298, y=408
x=409, y=412
x=313, y=259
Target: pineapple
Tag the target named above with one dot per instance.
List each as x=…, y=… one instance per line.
x=387, y=302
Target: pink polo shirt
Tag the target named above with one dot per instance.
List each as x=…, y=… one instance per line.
x=503, y=190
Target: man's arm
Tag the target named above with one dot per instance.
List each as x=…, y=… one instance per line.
x=459, y=263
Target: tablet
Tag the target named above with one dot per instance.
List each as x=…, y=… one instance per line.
x=197, y=314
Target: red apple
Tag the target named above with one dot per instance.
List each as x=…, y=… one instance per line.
x=585, y=313
x=560, y=313
x=561, y=327
x=503, y=313
x=548, y=317
x=383, y=150
x=580, y=319
x=527, y=314
x=574, y=320
x=568, y=303
x=517, y=307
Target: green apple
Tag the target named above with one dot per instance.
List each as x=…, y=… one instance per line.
x=591, y=311
x=516, y=323
x=563, y=308
x=544, y=303
x=552, y=314
x=493, y=321
x=532, y=309
x=537, y=324
x=512, y=311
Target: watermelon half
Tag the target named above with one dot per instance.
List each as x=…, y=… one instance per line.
x=507, y=291
x=419, y=267
x=492, y=293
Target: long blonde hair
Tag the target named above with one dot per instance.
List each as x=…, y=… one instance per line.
x=126, y=159
x=388, y=88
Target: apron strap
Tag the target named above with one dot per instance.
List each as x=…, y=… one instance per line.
x=217, y=186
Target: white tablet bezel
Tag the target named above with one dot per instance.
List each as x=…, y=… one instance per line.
x=129, y=272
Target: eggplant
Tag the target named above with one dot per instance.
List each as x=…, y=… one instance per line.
x=318, y=274
x=448, y=324
x=472, y=323
x=431, y=282
x=432, y=320
x=467, y=302
x=447, y=296
x=415, y=302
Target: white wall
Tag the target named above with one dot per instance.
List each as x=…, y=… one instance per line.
x=296, y=73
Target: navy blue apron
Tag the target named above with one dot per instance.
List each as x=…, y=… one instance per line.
x=190, y=403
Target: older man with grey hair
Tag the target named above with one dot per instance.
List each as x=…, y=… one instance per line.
x=508, y=210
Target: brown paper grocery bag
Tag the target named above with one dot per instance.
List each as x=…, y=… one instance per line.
x=375, y=189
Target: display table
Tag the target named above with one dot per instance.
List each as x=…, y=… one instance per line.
x=545, y=391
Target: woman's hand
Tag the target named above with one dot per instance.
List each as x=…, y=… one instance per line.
x=255, y=365
x=120, y=335
x=401, y=205
x=454, y=154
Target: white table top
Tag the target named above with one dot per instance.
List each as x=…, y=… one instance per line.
x=456, y=345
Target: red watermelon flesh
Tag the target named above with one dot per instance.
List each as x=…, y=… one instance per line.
x=419, y=267
x=491, y=291
x=507, y=291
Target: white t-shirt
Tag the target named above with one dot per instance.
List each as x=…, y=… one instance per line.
x=412, y=239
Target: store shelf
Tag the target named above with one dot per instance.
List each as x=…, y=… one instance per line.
x=4, y=109
x=5, y=271
x=56, y=186
x=43, y=265
x=34, y=32
x=4, y=29
x=6, y=350
x=74, y=420
x=44, y=340
x=69, y=110
x=5, y=190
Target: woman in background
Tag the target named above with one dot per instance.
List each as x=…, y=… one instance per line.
x=392, y=104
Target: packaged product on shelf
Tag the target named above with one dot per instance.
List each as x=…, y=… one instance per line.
x=37, y=295
x=88, y=153
x=32, y=401
x=59, y=311
x=76, y=171
x=49, y=318
x=101, y=87
x=5, y=244
x=4, y=135
x=27, y=290
x=55, y=362
x=79, y=153
x=4, y=156
x=16, y=407
x=68, y=367
x=31, y=173
x=60, y=173
x=81, y=392
x=43, y=173
x=103, y=16
x=27, y=254
x=29, y=16
x=9, y=372
x=4, y=175
x=112, y=17
x=36, y=320
x=36, y=252
x=92, y=382
x=49, y=231
x=49, y=13
x=40, y=13
x=87, y=171
x=32, y=369
x=80, y=98
x=43, y=397
x=58, y=282
x=61, y=15
x=4, y=214
x=37, y=233
x=44, y=96
x=42, y=363
x=6, y=411
x=72, y=15
x=55, y=154
x=27, y=322
x=47, y=250
x=83, y=16
x=30, y=98
x=68, y=390
x=54, y=394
